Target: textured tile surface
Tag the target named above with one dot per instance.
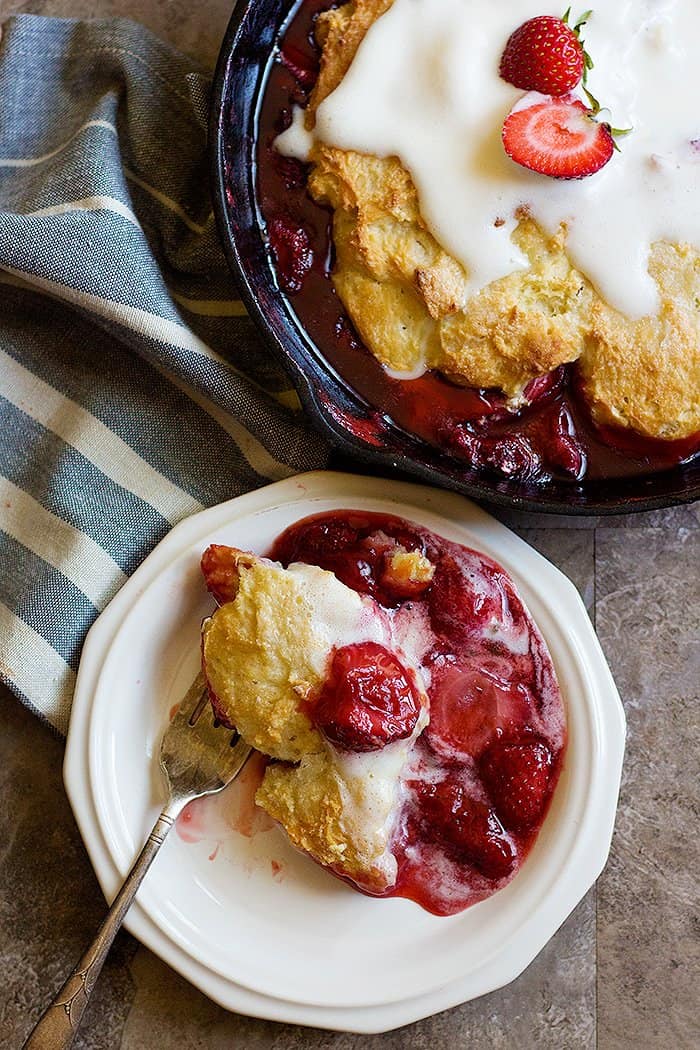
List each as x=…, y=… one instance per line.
x=624, y=969
x=648, y=617
x=50, y=903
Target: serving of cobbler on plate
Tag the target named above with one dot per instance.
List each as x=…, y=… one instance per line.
x=486, y=216
x=405, y=699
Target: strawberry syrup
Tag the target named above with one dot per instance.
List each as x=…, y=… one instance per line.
x=554, y=437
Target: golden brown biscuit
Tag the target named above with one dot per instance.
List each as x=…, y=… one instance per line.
x=408, y=567
x=646, y=375
x=264, y=653
x=523, y=325
x=340, y=32
x=266, y=650
x=342, y=818
x=409, y=298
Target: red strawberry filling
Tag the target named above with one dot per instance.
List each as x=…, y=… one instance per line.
x=470, y=706
x=292, y=250
x=301, y=64
x=368, y=699
x=464, y=826
x=359, y=555
x=482, y=772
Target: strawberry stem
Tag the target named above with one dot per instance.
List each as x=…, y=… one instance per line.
x=596, y=109
x=592, y=101
x=618, y=133
x=580, y=23
x=588, y=65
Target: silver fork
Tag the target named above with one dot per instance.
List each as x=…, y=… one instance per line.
x=198, y=757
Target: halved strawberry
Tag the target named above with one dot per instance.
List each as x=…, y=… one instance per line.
x=557, y=137
x=545, y=54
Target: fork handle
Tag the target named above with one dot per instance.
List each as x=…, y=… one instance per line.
x=59, y=1025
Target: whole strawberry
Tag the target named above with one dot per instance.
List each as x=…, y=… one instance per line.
x=517, y=776
x=466, y=828
x=545, y=54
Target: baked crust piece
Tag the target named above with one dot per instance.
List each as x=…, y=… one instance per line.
x=260, y=654
x=646, y=374
x=263, y=654
x=409, y=299
x=311, y=801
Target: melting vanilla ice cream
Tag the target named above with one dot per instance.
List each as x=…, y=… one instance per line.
x=425, y=87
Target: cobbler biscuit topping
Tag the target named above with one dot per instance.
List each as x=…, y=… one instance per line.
x=486, y=231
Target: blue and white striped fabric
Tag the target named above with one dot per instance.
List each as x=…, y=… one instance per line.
x=133, y=389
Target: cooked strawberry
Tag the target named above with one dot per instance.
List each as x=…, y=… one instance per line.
x=465, y=827
x=220, y=570
x=542, y=386
x=319, y=540
x=368, y=700
x=558, y=137
x=302, y=66
x=291, y=171
x=468, y=707
x=292, y=250
x=545, y=54
x=564, y=450
x=358, y=554
x=517, y=776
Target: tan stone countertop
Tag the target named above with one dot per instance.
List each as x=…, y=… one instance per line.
x=623, y=971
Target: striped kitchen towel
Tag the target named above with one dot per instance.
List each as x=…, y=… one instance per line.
x=133, y=388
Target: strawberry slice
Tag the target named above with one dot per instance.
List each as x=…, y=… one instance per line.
x=545, y=54
x=517, y=776
x=557, y=137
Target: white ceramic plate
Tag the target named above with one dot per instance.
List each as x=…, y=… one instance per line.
x=255, y=925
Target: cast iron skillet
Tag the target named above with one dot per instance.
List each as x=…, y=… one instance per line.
x=334, y=407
